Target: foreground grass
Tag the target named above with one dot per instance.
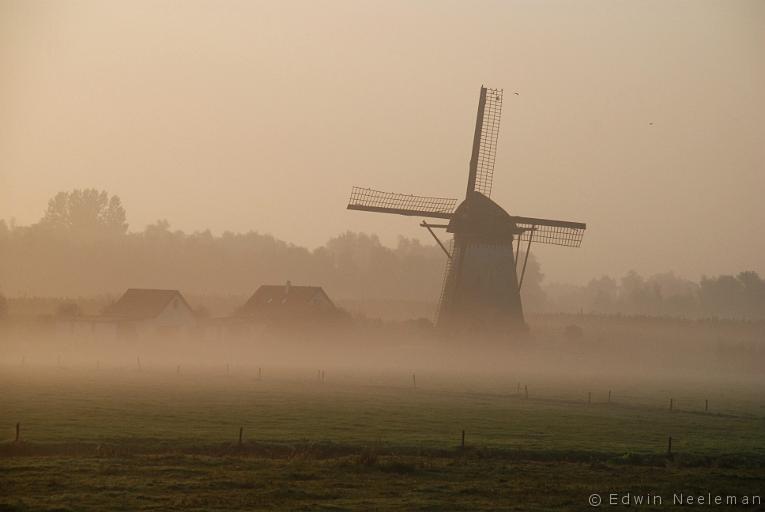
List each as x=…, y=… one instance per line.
x=158, y=441
x=351, y=482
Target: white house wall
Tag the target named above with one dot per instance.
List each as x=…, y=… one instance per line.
x=175, y=314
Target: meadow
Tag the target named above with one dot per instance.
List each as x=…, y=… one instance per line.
x=167, y=438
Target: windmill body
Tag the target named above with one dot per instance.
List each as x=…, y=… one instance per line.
x=484, y=274
x=481, y=284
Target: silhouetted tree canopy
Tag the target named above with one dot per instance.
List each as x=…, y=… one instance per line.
x=85, y=212
x=68, y=310
x=740, y=296
x=725, y=296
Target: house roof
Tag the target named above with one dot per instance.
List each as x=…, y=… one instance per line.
x=141, y=303
x=283, y=298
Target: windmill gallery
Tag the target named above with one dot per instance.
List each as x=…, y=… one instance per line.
x=482, y=278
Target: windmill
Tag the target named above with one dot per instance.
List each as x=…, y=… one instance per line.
x=482, y=281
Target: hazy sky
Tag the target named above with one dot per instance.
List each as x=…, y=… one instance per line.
x=262, y=115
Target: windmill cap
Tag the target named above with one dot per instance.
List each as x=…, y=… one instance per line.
x=480, y=216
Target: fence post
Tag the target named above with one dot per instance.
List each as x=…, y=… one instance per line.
x=671, y=403
x=241, y=429
x=669, y=446
x=609, y=396
x=526, y=387
x=414, y=381
x=463, y=440
x=18, y=432
x=706, y=405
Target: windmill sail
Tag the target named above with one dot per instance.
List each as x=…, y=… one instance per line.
x=553, y=232
x=369, y=200
x=485, y=141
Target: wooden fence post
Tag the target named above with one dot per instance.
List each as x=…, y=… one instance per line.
x=241, y=429
x=609, y=396
x=526, y=387
x=671, y=403
x=463, y=440
x=18, y=432
x=706, y=405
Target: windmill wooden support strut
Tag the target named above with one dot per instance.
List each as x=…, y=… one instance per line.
x=525, y=260
x=430, y=230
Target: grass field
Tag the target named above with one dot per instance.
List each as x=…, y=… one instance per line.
x=119, y=438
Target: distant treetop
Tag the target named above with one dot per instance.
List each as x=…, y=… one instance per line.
x=86, y=211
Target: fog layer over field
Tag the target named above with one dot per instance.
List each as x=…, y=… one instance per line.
x=576, y=346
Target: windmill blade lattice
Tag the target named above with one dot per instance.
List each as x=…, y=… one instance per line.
x=487, y=151
x=370, y=200
x=553, y=232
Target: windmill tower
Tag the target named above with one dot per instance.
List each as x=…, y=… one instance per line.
x=482, y=281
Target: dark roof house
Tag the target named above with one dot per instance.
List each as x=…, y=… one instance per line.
x=147, y=312
x=146, y=304
x=288, y=303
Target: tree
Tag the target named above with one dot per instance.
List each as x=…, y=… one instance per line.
x=638, y=296
x=158, y=230
x=534, y=297
x=68, y=310
x=601, y=294
x=753, y=293
x=4, y=230
x=742, y=296
x=85, y=212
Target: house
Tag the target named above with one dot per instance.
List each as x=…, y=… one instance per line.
x=145, y=312
x=289, y=305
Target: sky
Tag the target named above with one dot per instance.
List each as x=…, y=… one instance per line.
x=643, y=119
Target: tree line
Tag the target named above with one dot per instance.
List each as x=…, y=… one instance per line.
x=81, y=247
x=740, y=296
